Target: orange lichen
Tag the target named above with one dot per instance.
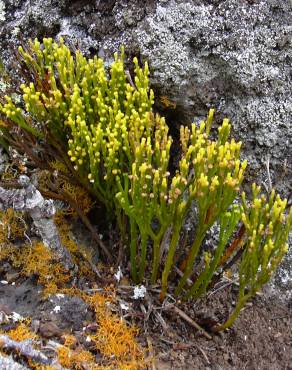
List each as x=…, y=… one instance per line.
x=117, y=340
x=12, y=225
x=36, y=259
x=80, y=196
x=77, y=358
x=166, y=102
x=65, y=189
x=21, y=332
x=81, y=255
x=59, y=166
x=99, y=301
x=114, y=338
x=69, y=340
x=63, y=185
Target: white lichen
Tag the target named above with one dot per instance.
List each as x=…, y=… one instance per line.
x=15, y=31
x=2, y=11
x=118, y=275
x=57, y=309
x=124, y=307
x=139, y=292
x=16, y=317
x=3, y=86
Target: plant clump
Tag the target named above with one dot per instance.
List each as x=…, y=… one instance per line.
x=267, y=231
x=91, y=119
x=99, y=131
x=209, y=174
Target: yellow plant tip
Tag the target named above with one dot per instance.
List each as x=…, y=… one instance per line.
x=211, y=114
x=225, y=122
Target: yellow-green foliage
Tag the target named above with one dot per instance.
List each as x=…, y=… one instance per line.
x=103, y=114
x=100, y=126
x=267, y=229
x=210, y=173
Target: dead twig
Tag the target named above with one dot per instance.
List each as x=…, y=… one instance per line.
x=167, y=295
x=202, y=352
x=162, y=322
x=83, y=218
x=229, y=264
x=220, y=288
x=151, y=353
x=94, y=269
x=270, y=184
x=233, y=246
x=190, y=321
x=180, y=273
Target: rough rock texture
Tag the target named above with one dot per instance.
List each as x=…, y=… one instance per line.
x=234, y=55
x=68, y=313
x=7, y=363
x=29, y=199
x=21, y=298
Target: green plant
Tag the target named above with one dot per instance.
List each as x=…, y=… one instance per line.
x=89, y=119
x=96, y=128
x=209, y=174
x=228, y=222
x=267, y=230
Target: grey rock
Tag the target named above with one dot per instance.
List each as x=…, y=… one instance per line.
x=22, y=298
x=7, y=363
x=68, y=313
x=29, y=199
x=3, y=160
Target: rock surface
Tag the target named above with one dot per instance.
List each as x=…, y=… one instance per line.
x=234, y=55
x=7, y=363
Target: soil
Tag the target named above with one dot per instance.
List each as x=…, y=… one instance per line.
x=260, y=339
